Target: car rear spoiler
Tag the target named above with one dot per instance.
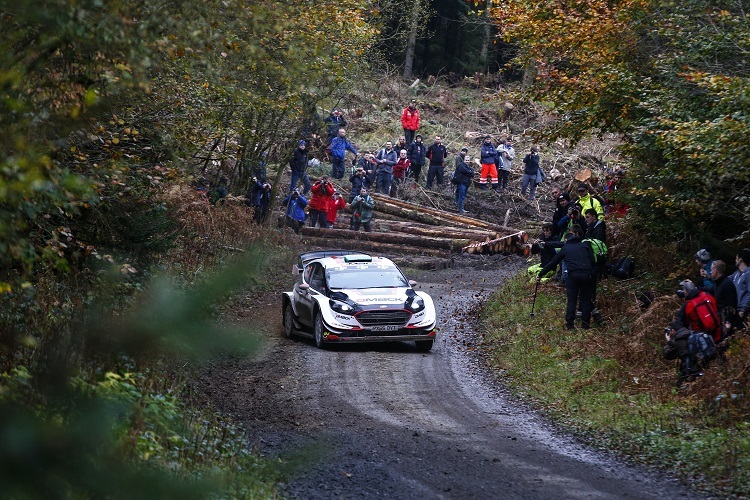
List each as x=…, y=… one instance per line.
x=304, y=258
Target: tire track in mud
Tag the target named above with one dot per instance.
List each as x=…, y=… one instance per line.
x=386, y=421
x=409, y=425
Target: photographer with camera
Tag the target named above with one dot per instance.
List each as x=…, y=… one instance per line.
x=295, y=210
x=571, y=217
x=322, y=191
x=337, y=202
x=362, y=206
x=676, y=347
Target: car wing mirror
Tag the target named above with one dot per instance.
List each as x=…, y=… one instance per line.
x=412, y=282
x=304, y=286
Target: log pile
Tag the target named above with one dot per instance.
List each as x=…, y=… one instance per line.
x=401, y=227
x=517, y=243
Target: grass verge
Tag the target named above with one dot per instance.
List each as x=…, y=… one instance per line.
x=611, y=385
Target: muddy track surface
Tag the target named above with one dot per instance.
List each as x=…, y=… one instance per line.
x=386, y=421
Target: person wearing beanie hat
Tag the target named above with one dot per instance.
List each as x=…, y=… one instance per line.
x=416, y=154
x=298, y=164
x=703, y=260
x=561, y=212
x=693, y=315
x=460, y=157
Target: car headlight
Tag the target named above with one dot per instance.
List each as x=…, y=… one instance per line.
x=416, y=304
x=341, y=307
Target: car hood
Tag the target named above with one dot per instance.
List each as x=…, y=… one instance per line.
x=372, y=296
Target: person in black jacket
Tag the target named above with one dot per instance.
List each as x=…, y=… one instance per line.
x=676, y=347
x=547, y=245
x=416, y=154
x=726, y=298
x=437, y=153
x=334, y=122
x=579, y=284
x=561, y=210
x=298, y=164
x=530, y=169
x=596, y=230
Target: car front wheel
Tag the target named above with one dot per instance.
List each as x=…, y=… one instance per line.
x=318, y=329
x=424, y=345
x=288, y=320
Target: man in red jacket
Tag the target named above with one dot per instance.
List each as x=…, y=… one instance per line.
x=318, y=206
x=410, y=121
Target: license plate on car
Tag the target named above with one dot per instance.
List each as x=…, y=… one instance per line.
x=385, y=328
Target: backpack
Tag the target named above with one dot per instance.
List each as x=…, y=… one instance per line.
x=702, y=348
x=624, y=268
x=707, y=316
x=454, y=178
x=599, y=249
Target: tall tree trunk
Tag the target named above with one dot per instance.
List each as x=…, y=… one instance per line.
x=484, y=52
x=412, y=42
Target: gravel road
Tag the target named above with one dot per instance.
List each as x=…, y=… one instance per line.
x=385, y=421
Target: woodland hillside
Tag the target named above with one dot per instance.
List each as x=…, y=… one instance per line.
x=112, y=265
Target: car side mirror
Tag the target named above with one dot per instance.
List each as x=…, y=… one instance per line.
x=412, y=282
x=304, y=286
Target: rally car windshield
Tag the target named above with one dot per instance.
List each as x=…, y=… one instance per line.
x=357, y=279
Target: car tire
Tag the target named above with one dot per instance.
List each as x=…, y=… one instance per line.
x=318, y=330
x=424, y=345
x=288, y=320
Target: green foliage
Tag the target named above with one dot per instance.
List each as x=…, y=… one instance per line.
x=112, y=437
x=120, y=429
x=671, y=79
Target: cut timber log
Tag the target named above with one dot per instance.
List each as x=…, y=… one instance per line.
x=374, y=246
x=507, y=245
x=440, y=216
x=390, y=226
x=410, y=214
x=390, y=238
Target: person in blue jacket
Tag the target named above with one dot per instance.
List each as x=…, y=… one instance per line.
x=339, y=146
x=295, y=210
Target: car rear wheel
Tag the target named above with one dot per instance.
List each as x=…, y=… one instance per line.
x=318, y=329
x=288, y=320
x=424, y=345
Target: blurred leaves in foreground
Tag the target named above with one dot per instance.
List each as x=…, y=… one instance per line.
x=67, y=431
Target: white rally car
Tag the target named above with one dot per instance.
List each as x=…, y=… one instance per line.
x=343, y=296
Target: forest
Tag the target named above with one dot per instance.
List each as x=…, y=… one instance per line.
x=112, y=110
